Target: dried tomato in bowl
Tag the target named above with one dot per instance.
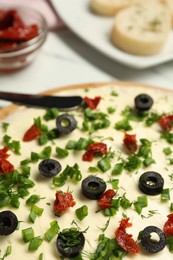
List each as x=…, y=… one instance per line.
x=23, y=31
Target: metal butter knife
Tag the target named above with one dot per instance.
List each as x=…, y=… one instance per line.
x=46, y=101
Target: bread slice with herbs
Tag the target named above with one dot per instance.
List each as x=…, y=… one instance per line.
x=142, y=29
x=169, y=3
x=111, y=7
x=108, y=7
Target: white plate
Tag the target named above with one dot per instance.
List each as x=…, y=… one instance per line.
x=95, y=30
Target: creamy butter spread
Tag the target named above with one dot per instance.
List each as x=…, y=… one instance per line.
x=20, y=120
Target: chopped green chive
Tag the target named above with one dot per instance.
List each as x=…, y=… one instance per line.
x=43, y=139
x=72, y=172
x=27, y=234
x=151, y=119
x=114, y=93
x=148, y=161
x=7, y=251
x=111, y=110
x=123, y=125
x=5, y=126
x=61, y=153
x=165, y=195
x=12, y=144
x=124, y=202
x=170, y=243
x=33, y=199
x=15, y=200
x=115, y=183
x=133, y=163
x=71, y=145
x=142, y=201
x=51, y=113
x=35, y=211
x=107, y=249
x=52, y=231
x=167, y=151
x=118, y=169
x=81, y=212
x=171, y=207
x=104, y=164
x=35, y=243
x=41, y=256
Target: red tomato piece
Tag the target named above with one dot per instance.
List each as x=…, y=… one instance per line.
x=88, y=156
x=3, y=153
x=130, y=142
x=18, y=33
x=32, y=133
x=92, y=149
x=9, y=19
x=166, y=122
x=6, y=166
x=125, y=240
x=63, y=201
x=98, y=148
x=8, y=45
x=105, y=199
x=92, y=102
x=168, y=227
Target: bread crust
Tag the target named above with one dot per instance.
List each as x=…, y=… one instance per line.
x=140, y=31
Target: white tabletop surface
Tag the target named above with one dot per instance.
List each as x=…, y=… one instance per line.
x=65, y=59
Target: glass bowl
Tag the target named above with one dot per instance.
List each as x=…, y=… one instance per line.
x=18, y=56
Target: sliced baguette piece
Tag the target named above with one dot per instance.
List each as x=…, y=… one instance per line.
x=142, y=28
x=108, y=7
x=111, y=7
x=169, y=3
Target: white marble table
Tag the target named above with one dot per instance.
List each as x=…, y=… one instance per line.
x=65, y=59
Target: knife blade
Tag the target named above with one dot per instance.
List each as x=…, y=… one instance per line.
x=44, y=101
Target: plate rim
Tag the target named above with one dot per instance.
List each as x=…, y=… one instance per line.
x=140, y=62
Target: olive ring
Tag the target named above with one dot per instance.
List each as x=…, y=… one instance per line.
x=66, y=123
x=150, y=245
x=70, y=251
x=143, y=102
x=151, y=183
x=49, y=167
x=8, y=222
x=93, y=187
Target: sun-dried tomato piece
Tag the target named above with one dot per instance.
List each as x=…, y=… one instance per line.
x=92, y=102
x=92, y=149
x=9, y=19
x=32, y=133
x=3, y=153
x=8, y=45
x=168, y=227
x=166, y=122
x=125, y=240
x=88, y=156
x=63, y=201
x=105, y=199
x=130, y=142
x=19, y=34
x=5, y=165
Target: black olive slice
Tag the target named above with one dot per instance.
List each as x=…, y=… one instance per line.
x=8, y=222
x=151, y=183
x=49, y=167
x=66, y=123
x=93, y=187
x=153, y=245
x=143, y=102
x=70, y=245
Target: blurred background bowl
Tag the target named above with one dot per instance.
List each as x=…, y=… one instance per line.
x=20, y=55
